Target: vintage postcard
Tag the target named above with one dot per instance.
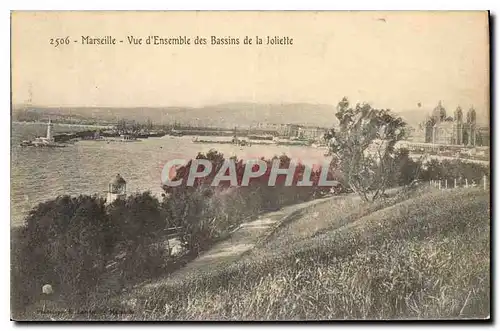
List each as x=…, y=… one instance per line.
x=230, y=166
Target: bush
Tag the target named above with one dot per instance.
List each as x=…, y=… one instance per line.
x=63, y=243
x=206, y=213
x=454, y=169
x=138, y=233
x=407, y=170
x=68, y=242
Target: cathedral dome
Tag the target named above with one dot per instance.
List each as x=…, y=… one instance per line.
x=118, y=181
x=439, y=113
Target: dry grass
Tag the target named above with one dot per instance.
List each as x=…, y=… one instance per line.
x=426, y=257
x=333, y=214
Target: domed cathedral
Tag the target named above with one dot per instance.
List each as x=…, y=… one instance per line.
x=440, y=129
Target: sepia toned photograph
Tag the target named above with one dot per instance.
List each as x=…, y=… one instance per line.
x=250, y=166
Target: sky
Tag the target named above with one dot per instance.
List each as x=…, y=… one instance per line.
x=390, y=59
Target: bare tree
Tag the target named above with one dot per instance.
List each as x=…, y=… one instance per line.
x=363, y=147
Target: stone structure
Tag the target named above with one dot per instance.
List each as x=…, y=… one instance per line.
x=288, y=130
x=440, y=129
x=117, y=189
x=311, y=132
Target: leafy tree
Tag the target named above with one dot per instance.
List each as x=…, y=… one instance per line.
x=406, y=169
x=68, y=242
x=452, y=170
x=138, y=218
x=139, y=224
x=63, y=243
x=363, y=147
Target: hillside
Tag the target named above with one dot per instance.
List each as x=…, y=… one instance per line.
x=425, y=257
x=227, y=114
x=223, y=115
x=415, y=255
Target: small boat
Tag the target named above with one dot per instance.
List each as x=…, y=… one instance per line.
x=26, y=143
x=176, y=133
x=127, y=138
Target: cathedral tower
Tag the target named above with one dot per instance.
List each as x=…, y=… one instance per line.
x=459, y=126
x=471, y=126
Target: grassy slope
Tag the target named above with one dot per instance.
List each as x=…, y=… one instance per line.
x=425, y=257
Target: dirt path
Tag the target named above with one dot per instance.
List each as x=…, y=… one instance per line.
x=241, y=240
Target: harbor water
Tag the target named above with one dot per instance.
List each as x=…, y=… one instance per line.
x=86, y=167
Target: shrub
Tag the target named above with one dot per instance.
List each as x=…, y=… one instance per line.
x=363, y=147
x=206, y=213
x=138, y=230
x=63, y=244
x=68, y=242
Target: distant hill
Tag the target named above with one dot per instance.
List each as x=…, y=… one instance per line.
x=225, y=115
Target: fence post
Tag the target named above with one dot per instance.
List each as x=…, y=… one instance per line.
x=439, y=185
x=484, y=180
x=455, y=186
x=466, y=184
x=446, y=183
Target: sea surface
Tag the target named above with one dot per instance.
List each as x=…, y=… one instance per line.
x=86, y=167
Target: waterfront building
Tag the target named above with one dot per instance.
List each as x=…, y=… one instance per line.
x=443, y=149
x=311, y=132
x=288, y=130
